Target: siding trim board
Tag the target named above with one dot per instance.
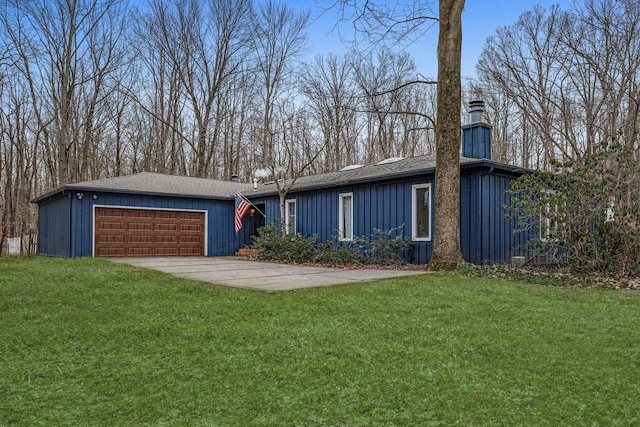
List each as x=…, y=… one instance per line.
x=97, y=206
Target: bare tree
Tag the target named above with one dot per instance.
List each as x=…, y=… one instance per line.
x=328, y=84
x=58, y=65
x=18, y=164
x=378, y=21
x=571, y=75
x=446, y=242
x=278, y=41
x=67, y=50
x=157, y=128
x=391, y=90
x=241, y=101
x=293, y=151
x=205, y=46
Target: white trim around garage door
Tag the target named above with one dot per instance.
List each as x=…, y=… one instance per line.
x=93, y=222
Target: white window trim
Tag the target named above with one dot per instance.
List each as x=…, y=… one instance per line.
x=287, y=212
x=611, y=213
x=414, y=217
x=341, y=232
x=545, y=218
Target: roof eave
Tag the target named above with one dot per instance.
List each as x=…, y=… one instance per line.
x=469, y=164
x=76, y=188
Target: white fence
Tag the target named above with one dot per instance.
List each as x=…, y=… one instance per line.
x=22, y=245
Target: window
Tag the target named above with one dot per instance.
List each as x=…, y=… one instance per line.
x=290, y=216
x=345, y=217
x=548, y=217
x=611, y=215
x=421, y=216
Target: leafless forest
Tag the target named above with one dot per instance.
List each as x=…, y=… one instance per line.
x=93, y=89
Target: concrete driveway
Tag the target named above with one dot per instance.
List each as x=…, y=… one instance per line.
x=258, y=275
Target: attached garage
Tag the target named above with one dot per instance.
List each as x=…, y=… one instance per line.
x=141, y=215
x=129, y=232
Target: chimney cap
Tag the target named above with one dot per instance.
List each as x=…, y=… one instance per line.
x=476, y=109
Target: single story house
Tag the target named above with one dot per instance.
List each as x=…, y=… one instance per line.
x=150, y=214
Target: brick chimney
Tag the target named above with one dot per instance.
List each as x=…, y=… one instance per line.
x=476, y=136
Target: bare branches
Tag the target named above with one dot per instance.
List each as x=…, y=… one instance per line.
x=391, y=23
x=572, y=76
x=403, y=85
x=208, y=88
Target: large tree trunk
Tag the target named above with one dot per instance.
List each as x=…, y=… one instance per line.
x=446, y=242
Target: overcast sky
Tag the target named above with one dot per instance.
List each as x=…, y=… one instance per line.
x=480, y=20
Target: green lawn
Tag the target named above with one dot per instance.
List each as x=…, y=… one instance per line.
x=87, y=342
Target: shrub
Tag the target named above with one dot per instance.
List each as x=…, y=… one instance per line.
x=336, y=252
x=584, y=216
x=378, y=248
x=384, y=249
x=292, y=248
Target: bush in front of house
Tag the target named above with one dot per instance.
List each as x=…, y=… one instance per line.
x=337, y=252
x=382, y=248
x=291, y=248
x=587, y=216
x=378, y=248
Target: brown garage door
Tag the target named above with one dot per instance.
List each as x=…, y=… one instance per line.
x=144, y=232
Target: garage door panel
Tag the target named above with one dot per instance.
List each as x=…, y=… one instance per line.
x=168, y=251
x=142, y=232
x=138, y=213
x=191, y=228
x=166, y=215
x=139, y=251
x=110, y=213
x=188, y=215
x=166, y=239
x=140, y=238
x=140, y=226
x=166, y=227
x=111, y=238
x=113, y=252
x=111, y=226
x=186, y=251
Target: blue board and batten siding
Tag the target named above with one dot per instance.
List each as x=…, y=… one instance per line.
x=54, y=226
x=485, y=235
x=382, y=205
x=66, y=221
x=72, y=233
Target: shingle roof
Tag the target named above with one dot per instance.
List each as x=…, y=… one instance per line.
x=158, y=184
x=177, y=186
x=404, y=167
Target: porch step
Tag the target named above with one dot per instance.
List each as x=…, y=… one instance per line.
x=248, y=253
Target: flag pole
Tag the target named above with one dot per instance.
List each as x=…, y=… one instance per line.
x=251, y=203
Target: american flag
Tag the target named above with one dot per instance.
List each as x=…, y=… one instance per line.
x=242, y=206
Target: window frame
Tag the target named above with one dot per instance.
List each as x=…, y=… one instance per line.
x=343, y=237
x=545, y=224
x=414, y=216
x=287, y=216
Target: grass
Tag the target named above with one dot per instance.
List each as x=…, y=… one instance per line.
x=87, y=342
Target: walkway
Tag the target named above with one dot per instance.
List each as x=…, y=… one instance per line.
x=258, y=275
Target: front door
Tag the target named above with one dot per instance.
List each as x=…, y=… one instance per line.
x=252, y=221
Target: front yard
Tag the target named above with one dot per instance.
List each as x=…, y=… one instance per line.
x=88, y=342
